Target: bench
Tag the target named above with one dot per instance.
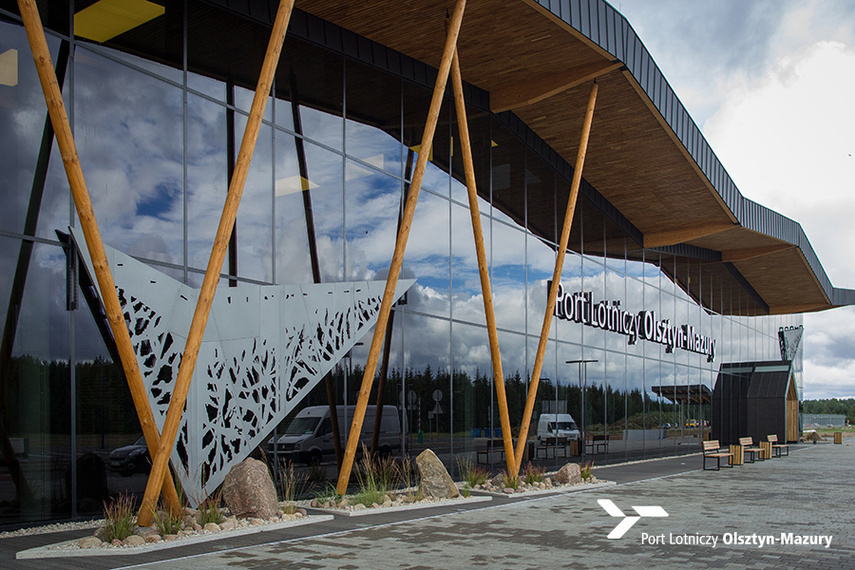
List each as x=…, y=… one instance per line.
x=598, y=443
x=554, y=443
x=748, y=446
x=490, y=446
x=777, y=447
x=712, y=449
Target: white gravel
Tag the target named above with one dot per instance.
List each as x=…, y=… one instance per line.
x=53, y=527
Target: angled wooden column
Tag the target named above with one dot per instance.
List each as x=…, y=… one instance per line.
x=486, y=290
x=89, y=225
x=215, y=264
x=400, y=247
x=556, y=275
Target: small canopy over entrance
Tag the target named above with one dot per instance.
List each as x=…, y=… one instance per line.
x=684, y=393
x=755, y=399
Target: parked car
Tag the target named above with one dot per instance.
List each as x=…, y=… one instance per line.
x=131, y=459
x=691, y=423
x=666, y=425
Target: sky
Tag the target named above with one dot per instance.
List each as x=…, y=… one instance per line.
x=771, y=84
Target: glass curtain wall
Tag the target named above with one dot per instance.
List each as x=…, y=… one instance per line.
x=158, y=113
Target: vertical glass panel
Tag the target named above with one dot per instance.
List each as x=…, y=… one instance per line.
x=615, y=402
x=23, y=115
x=372, y=209
x=132, y=150
x=312, y=80
x=293, y=258
x=466, y=298
x=326, y=182
x=207, y=176
x=473, y=395
x=508, y=175
x=106, y=424
x=243, y=102
x=481, y=143
x=373, y=127
x=636, y=368
x=427, y=256
x=35, y=380
x=571, y=279
x=254, y=225
x=508, y=276
x=429, y=342
x=592, y=413
x=540, y=197
x=593, y=282
x=615, y=247
x=416, y=106
x=470, y=390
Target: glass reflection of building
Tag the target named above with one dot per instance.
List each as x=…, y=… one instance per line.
x=157, y=112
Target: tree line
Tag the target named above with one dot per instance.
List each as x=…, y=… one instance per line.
x=837, y=406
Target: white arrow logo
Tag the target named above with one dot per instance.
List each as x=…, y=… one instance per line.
x=628, y=520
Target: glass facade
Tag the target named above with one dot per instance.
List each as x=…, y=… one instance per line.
x=158, y=113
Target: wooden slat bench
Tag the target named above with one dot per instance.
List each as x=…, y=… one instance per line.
x=712, y=449
x=599, y=443
x=748, y=446
x=490, y=447
x=777, y=447
x=554, y=443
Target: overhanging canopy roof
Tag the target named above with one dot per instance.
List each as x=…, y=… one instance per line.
x=646, y=156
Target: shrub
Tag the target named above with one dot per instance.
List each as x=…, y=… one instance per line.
x=585, y=471
x=470, y=473
x=371, y=488
x=291, y=486
x=119, y=518
x=533, y=473
x=166, y=522
x=210, y=510
x=329, y=492
x=510, y=481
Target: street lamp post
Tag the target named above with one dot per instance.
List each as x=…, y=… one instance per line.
x=583, y=383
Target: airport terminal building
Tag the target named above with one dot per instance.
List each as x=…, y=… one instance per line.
x=672, y=278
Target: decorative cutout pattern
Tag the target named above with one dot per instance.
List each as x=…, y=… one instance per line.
x=264, y=349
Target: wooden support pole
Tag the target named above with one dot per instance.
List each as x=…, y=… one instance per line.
x=89, y=225
x=474, y=212
x=556, y=275
x=215, y=263
x=400, y=247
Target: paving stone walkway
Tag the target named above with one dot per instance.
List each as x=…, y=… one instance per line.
x=733, y=518
x=808, y=494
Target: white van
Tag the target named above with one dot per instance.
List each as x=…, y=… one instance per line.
x=309, y=439
x=557, y=425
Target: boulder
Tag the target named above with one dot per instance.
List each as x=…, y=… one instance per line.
x=89, y=542
x=134, y=540
x=248, y=490
x=569, y=474
x=435, y=483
